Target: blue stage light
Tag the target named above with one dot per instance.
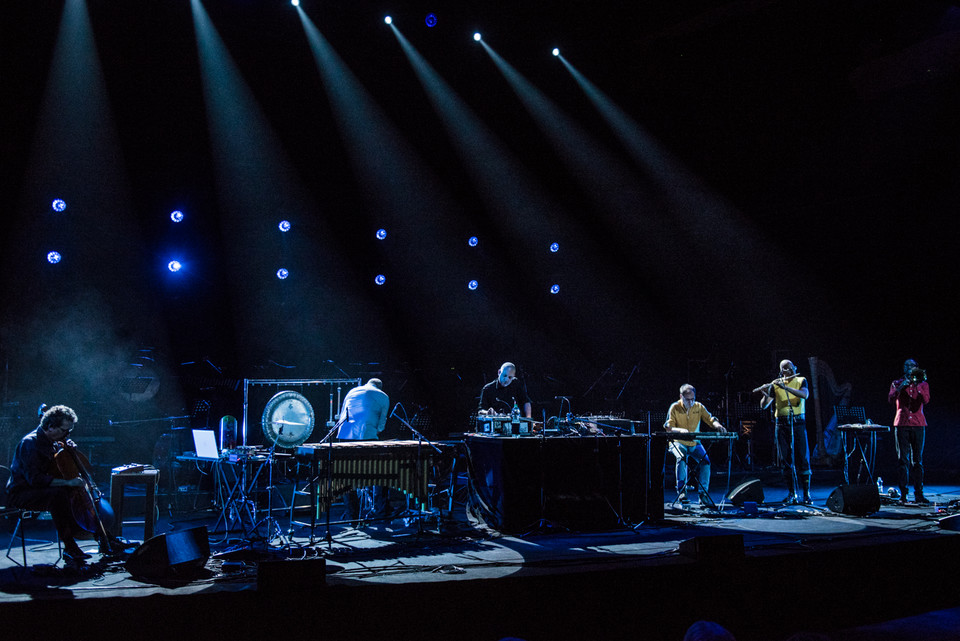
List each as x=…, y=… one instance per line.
x=473, y=285
x=174, y=266
x=284, y=225
x=176, y=216
x=282, y=273
x=431, y=20
x=555, y=247
x=295, y=3
x=555, y=289
x=388, y=20
x=477, y=36
x=381, y=234
x=473, y=241
x=53, y=257
x=556, y=52
x=59, y=205
x=380, y=279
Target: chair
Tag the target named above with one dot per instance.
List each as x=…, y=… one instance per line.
x=20, y=527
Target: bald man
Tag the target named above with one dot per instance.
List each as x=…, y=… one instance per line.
x=788, y=395
x=363, y=417
x=499, y=396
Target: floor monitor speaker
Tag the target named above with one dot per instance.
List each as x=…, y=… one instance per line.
x=174, y=555
x=858, y=500
x=749, y=490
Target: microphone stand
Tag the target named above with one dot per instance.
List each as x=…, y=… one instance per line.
x=544, y=524
x=273, y=528
x=329, y=494
x=421, y=439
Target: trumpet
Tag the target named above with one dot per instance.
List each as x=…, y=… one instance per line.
x=917, y=375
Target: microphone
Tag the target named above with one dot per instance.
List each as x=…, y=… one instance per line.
x=394, y=411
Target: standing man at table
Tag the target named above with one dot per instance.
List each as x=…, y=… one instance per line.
x=363, y=417
x=499, y=396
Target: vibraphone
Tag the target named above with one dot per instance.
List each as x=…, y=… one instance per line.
x=403, y=465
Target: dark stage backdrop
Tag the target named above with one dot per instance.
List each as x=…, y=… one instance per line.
x=729, y=183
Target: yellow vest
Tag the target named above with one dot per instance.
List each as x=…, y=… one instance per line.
x=782, y=399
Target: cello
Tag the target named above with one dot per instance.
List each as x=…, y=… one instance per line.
x=90, y=509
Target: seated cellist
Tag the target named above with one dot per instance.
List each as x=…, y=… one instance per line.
x=33, y=483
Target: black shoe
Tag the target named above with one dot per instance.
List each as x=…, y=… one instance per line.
x=112, y=547
x=920, y=499
x=75, y=563
x=72, y=550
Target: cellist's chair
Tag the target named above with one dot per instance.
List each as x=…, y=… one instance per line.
x=22, y=515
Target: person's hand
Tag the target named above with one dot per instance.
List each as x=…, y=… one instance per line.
x=721, y=428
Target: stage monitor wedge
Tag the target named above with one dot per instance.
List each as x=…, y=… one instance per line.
x=858, y=500
x=174, y=555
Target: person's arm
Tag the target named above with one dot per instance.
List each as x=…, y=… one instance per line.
x=486, y=403
x=36, y=469
x=894, y=392
x=802, y=392
x=384, y=414
x=673, y=420
x=767, y=399
x=711, y=420
x=923, y=389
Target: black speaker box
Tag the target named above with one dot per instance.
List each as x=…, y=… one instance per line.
x=175, y=555
x=950, y=523
x=858, y=500
x=749, y=490
x=721, y=547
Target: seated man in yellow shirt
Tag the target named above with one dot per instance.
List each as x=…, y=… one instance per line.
x=685, y=416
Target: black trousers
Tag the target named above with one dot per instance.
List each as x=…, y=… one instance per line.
x=56, y=500
x=801, y=448
x=910, y=448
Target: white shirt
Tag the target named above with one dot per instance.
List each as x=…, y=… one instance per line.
x=364, y=413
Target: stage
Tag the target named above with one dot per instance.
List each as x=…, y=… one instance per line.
x=451, y=576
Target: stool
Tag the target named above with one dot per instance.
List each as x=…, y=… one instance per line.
x=150, y=477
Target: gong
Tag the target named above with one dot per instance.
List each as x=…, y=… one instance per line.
x=288, y=419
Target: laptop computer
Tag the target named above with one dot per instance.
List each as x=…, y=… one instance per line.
x=205, y=444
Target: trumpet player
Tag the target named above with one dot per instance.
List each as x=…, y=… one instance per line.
x=909, y=393
x=788, y=395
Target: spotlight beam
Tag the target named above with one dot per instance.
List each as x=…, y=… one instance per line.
x=615, y=190
x=716, y=226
